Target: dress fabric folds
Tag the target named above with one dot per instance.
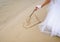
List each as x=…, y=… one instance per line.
x=52, y=20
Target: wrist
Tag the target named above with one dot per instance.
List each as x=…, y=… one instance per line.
x=38, y=6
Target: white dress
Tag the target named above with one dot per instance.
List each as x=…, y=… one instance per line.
x=52, y=20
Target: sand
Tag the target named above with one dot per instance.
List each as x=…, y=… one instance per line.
x=13, y=13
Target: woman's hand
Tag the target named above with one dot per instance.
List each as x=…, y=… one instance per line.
x=37, y=7
x=42, y=5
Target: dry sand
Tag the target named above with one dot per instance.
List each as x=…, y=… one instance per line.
x=13, y=14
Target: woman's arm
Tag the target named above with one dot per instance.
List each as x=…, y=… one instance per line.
x=45, y=3
x=42, y=5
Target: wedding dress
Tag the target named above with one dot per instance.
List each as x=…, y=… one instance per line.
x=51, y=24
